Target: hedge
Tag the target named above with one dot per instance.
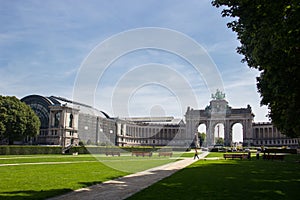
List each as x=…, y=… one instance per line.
x=28, y=150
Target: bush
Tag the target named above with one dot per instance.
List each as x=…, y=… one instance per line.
x=81, y=143
x=28, y=150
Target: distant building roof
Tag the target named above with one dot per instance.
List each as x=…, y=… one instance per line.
x=53, y=100
x=155, y=120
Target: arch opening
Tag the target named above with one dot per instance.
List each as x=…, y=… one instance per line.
x=219, y=134
x=237, y=134
x=202, y=135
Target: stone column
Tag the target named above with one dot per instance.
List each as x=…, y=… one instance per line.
x=227, y=133
x=210, y=134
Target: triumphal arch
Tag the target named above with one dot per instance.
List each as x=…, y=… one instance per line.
x=219, y=112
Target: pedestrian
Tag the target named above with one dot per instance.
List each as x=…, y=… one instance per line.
x=196, y=154
x=257, y=154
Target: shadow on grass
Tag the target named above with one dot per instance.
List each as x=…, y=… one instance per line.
x=32, y=194
x=122, y=187
x=42, y=194
x=229, y=179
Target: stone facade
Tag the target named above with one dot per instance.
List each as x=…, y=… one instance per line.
x=65, y=122
x=218, y=112
x=265, y=134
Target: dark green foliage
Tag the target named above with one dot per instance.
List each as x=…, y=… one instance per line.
x=201, y=137
x=220, y=141
x=269, y=32
x=28, y=150
x=17, y=120
x=81, y=143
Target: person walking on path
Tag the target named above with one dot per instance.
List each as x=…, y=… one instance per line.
x=196, y=154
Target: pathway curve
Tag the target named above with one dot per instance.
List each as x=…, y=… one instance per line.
x=126, y=186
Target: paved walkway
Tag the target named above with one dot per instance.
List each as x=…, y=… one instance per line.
x=126, y=186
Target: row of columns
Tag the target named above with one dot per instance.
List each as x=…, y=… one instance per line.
x=266, y=132
x=161, y=134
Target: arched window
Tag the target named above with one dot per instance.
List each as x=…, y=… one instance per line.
x=71, y=120
x=57, y=119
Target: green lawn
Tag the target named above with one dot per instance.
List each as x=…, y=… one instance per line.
x=215, y=155
x=44, y=158
x=230, y=179
x=43, y=176
x=189, y=154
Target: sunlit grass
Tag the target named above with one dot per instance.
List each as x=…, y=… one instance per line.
x=40, y=181
x=215, y=155
x=42, y=176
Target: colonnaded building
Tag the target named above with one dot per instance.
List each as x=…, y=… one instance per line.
x=65, y=122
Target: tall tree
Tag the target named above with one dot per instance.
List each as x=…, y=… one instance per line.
x=201, y=137
x=17, y=120
x=219, y=141
x=269, y=35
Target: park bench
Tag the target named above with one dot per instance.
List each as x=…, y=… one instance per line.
x=236, y=155
x=165, y=154
x=112, y=153
x=141, y=153
x=273, y=157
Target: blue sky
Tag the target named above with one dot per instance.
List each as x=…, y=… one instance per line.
x=43, y=45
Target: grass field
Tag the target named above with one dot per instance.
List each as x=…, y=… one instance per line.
x=230, y=179
x=43, y=176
